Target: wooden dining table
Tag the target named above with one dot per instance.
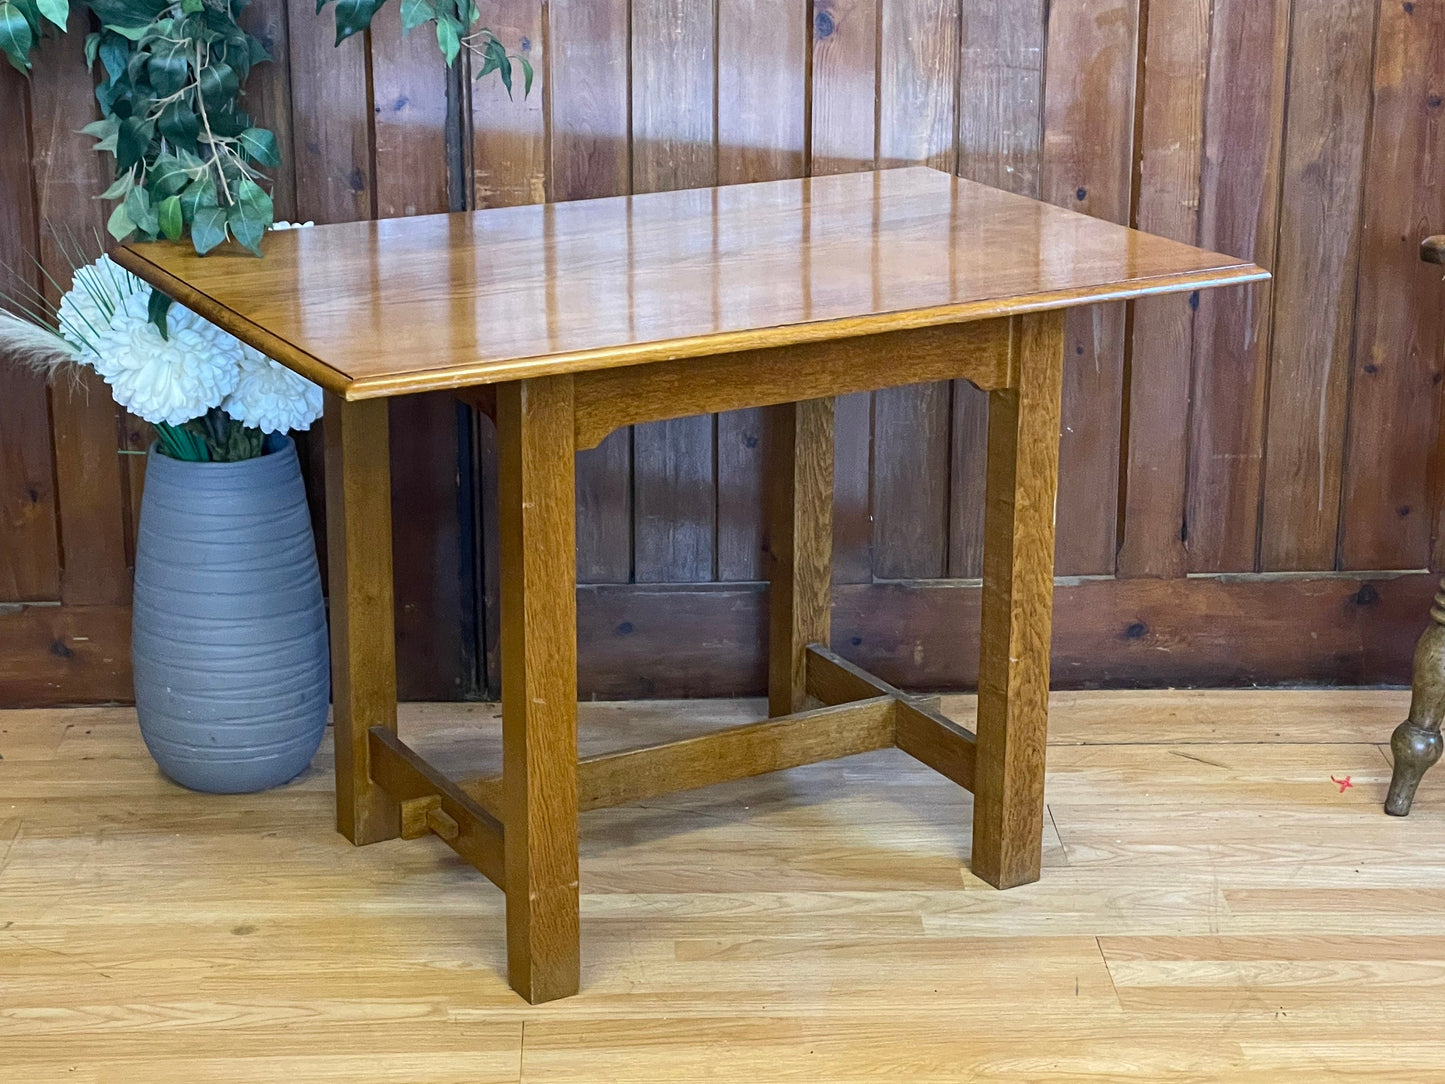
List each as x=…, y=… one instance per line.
x=564, y=322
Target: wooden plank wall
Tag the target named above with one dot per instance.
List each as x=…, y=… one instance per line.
x=1226, y=453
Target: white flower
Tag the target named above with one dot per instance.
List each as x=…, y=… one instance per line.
x=270, y=397
x=97, y=291
x=292, y=225
x=166, y=380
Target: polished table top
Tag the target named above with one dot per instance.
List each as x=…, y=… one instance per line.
x=413, y=304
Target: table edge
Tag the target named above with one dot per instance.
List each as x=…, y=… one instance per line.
x=483, y=373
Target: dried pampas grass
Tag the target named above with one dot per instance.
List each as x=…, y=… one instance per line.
x=37, y=348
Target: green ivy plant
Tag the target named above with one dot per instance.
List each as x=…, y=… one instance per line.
x=188, y=160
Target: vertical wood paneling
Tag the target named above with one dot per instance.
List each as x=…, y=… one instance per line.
x=331, y=124
x=1314, y=286
x=268, y=95
x=89, y=475
x=588, y=64
x=917, y=123
x=29, y=548
x=434, y=598
x=1171, y=136
x=1280, y=426
x=409, y=112
x=1395, y=394
x=674, y=487
x=509, y=146
x=1000, y=133
x=762, y=110
x=1088, y=166
x=1243, y=124
x=844, y=112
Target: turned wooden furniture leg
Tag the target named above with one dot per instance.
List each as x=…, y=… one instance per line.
x=539, y=684
x=1018, y=589
x=1416, y=743
x=363, y=637
x=800, y=546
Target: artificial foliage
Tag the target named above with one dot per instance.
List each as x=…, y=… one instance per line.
x=188, y=159
x=189, y=162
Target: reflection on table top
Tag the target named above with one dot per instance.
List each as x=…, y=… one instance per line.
x=411, y=304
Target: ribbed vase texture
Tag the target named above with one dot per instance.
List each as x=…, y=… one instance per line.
x=232, y=673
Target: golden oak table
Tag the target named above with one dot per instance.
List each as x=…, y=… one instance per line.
x=567, y=321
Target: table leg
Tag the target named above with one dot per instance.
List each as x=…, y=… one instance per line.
x=536, y=459
x=1018, y=588
x=363, y=637
x=800, y=546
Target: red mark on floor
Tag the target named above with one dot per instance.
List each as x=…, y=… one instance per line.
x=1344, y=784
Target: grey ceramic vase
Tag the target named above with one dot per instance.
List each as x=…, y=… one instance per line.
x=228, y=640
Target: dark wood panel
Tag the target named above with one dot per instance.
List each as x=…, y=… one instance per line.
x=1322, y=629
x=1400, y=333
x=762, y=113
x=917, y=124
x=843, y=112
x=331, y=127
x=29, y=548
x=674, y=481
x=268, y=95
x=1325, y=629
x=53, y=655
x=1161, y=348
x=1314, y=288
x=509, y=143
x=1243, y=111
x=587, y=88
x=1000, y=137
x=92, y=487
x=1088, y=165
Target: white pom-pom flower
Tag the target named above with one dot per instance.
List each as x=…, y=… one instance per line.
x=166, y=380
x=270, y=397
x=97, y=292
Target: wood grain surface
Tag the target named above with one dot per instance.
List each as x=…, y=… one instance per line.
x=644, y=281
x=818, y=925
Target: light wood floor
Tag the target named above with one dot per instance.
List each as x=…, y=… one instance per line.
x=1213, y=907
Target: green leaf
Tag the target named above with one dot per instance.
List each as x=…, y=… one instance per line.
x=167, y=175
x=123, y=184
x=414, y=13
x=107, y=131
x=179, y=123
x=119, y=225
x=15, y=37
x=172, y=221
x=353, y=16
x=208, y=228
x=127, y=13
x=447, y=38
x=92, y=49
x=198, y=196
x=527, y=74
x=494, y=57
x=260, y=146
x=156, y=311
x=138, y=207
x=169, y=68
x=252, y=212
x=218, y=85
x=131, y=33
x=192, y=7
x=132, y=141
x=114, y=53
x=57, y=11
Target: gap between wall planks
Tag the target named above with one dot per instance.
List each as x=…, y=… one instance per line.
x=1283, y=427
